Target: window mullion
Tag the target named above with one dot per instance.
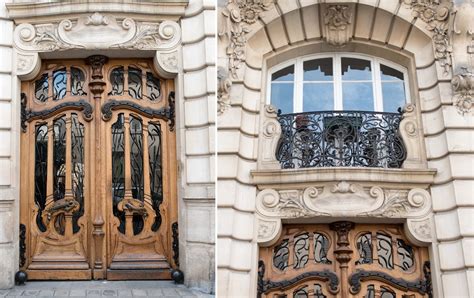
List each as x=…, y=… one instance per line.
x=378, y=96
x=298, y=92
x=337, y=83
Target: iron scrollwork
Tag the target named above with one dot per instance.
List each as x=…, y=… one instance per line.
x=166, y=113
x=421, y=286
x=28, y=115
x=340, y=138
x=174, y=229
x=22, y=245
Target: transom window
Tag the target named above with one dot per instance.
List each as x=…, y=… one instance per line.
x=338, y=82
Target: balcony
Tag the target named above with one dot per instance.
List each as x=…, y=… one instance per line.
x=340, y=139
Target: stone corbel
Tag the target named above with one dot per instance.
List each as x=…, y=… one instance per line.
x=167, y=63
x=343, y=200
x=269, y=138
x=463, y=89
x=338, y=24
x=411, y=136
x=27, y=65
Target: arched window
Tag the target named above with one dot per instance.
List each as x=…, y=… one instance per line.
x=338, y=82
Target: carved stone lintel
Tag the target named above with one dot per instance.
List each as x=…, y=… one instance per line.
x=463, y=88
x=337, y=21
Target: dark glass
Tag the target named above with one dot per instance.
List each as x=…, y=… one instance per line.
x=364, y=246
x=384, y=251
x=135, y=82
x=370, y=292
x=282, y=97
x=59, y=84
x=280, y=255
x=318, y=291
x=406, y=257
x=41, y=171
x=301, y=250
x=318, y=70
x=117, y=81
x=286, y=74
x=136, y=167
x=42, y=88
x=77, y=82
x=393, y=94
x=156, y=174
x=77, y=171
x=118, y=170
x=59, y=158
x=321, y=249
x=387, y=293
x=390, y=74
x=152, y=87
x=301, y=293
x=355, y=69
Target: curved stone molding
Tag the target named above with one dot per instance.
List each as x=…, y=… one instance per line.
x=28, y=65
x=411, y=136
x=268, y=230
x=436, y=15
x=463, y=88
x=166, y=63
x=419, y=230
x=338, y=24
x=97, y=31
x=269, y=137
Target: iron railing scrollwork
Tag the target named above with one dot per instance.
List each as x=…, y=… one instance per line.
x=340, y=139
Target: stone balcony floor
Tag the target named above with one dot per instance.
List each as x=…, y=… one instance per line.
x=102, y=289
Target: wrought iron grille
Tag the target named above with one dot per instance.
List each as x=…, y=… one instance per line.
x=340, y=139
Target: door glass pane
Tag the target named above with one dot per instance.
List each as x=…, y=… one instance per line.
x=135, y=82
x=41, y=88
x=59, y=158
x=393, y=96
x=59, y=84
x=41, y=171
x=118, y=170
x=152, y=87
x=318, y=97
x=116, y=80
x=358, y=96
x=77, y=81
x=77, y=158
x=282, y=97
x=355, y=69
x=301, y=250
x=136, y=160
x=156, y=184
x=318, y=70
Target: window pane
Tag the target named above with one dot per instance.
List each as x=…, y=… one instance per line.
x=318, y=70
x=393, y=96
x=282, y=97
x=355, y=69
x=388, y=73
x=358, y=96
x=318, y=97
x=286, y=74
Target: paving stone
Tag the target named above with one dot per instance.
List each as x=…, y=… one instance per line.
x=77, y=293
x=15, y=292
x=137, y=292
x=125, y=293
x=169, y=292
x=46, y=293
x=31, y=293
x=4, y=292
x=62, y=293
x=109, y=293
x=155, y=292
x=93, y=293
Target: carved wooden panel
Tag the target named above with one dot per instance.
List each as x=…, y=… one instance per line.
x=343, y=260
x=98, y=171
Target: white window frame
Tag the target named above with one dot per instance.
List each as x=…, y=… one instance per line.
x=337, y=78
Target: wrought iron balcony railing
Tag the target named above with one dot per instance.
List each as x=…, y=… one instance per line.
x=340, y=139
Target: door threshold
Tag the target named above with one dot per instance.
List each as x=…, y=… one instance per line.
x=143, y=274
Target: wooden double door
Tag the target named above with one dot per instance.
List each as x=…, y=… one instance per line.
x=98, y=172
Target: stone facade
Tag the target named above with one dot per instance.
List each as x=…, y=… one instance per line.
x=180, y=36
x=434, y=40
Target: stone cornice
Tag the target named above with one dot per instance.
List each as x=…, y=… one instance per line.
x=149, y=10
x=405, y=178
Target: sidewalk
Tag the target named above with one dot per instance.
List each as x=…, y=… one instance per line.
x=102, y=289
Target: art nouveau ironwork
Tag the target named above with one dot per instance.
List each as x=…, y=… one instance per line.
x=343, y=260
x=98, y=168
x=340, y=139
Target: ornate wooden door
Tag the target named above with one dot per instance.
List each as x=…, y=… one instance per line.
x=98, y=172
x=344, y=260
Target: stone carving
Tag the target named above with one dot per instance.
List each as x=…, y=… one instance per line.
x=399, y=204
x=463, y=88
x=223, y=90
x=337, y=19
x=421, y=228
x=269, y=139
x=436, y=15
x=96, y=31
x=410, y=134
x=237, y=15
x=167, y=63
